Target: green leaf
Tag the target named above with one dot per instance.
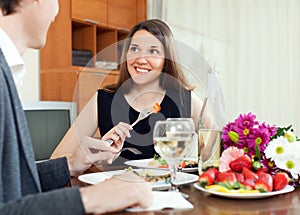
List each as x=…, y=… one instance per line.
x=226, y=185
x=159, y=159
x=281, y=131
x=257, y=151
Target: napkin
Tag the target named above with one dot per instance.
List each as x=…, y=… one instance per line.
x=163, y=199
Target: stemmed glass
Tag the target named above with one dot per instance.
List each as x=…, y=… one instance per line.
x=194, y=141
x=172, y=141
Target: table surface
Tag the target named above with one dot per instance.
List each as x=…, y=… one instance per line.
x=285, y=204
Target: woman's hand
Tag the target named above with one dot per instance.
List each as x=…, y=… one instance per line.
x=118, y=134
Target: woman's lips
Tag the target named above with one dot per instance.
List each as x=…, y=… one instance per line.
x=142, y=70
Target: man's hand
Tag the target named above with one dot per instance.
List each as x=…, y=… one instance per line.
x=131, y=191
x=91, y=151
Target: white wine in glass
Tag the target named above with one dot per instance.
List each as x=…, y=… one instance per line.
x=193, y=149
x=172, y=140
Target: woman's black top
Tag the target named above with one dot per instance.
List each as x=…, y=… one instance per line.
x=113, y=108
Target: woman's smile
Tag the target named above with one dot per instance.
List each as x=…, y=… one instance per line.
x=140, y=70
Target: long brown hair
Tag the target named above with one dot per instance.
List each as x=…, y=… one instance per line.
x=171, y=67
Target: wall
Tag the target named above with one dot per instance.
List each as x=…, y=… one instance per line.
x=262, y=78
x=30, y=91
x=255, y=45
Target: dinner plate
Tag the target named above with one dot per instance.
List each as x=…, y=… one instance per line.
x=181, y=178
x=287, y=189
x=144, y=163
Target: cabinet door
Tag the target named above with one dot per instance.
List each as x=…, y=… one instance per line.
x=122, y=14
x=57, y=51
x=141, y=10
x=58, y=84
x=90, y=81
x=94, y=11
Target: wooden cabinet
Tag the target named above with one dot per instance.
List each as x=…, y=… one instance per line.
x=57, y=51
x=89, y=81
x=91, y=28
x=126, y=8
x=58, y=84
x=93, y=11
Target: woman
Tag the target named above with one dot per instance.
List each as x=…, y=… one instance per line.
x=149, y=74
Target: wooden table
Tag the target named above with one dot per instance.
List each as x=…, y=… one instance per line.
x=286, y=204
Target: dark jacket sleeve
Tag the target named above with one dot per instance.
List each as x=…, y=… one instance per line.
x=53, y=173
x=20, y=190
x=62, y=201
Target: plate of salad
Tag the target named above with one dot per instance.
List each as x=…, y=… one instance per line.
x=159, y=179
x=187, y=165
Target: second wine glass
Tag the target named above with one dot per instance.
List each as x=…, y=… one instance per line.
x=172, y=140
x=192, y=153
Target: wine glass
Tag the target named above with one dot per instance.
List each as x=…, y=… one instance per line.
x=194, y=141
x=172, y=141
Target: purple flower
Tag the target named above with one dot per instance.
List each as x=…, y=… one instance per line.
x=246, y=133
x=259, y=137
x=271, y=129
x=226, y=139
x=246, y=121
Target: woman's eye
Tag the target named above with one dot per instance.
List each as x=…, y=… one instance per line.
x=133, y=49
x=154, y=51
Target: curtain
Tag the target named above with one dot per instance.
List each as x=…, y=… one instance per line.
x=255, y=44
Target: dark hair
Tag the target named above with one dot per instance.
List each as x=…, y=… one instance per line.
x=171, y=67
x=9, y=6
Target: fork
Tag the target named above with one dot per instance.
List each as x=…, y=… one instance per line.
x=142, y=115
x=133, y=150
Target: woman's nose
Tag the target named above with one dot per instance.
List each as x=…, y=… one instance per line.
x=141, y=59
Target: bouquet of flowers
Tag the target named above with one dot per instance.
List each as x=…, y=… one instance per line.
x=273, y=148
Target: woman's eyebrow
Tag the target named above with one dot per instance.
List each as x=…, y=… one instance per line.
x=152, y=46
x=155, y=46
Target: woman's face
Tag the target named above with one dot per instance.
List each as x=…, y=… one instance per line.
x=145, y=57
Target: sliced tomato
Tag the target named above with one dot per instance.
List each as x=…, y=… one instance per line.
x=163, y=166
x=183, y=164
x=156, y=108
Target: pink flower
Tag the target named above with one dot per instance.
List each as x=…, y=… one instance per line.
x=229, y=155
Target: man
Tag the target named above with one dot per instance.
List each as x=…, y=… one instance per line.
x=24, y=187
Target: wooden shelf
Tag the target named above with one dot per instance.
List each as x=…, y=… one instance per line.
x=95, y=26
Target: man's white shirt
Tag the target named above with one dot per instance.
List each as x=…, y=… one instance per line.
x=13, y=58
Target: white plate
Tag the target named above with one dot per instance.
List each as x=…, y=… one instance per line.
x=287, y=189
x=182, y=178
x=144, y=163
